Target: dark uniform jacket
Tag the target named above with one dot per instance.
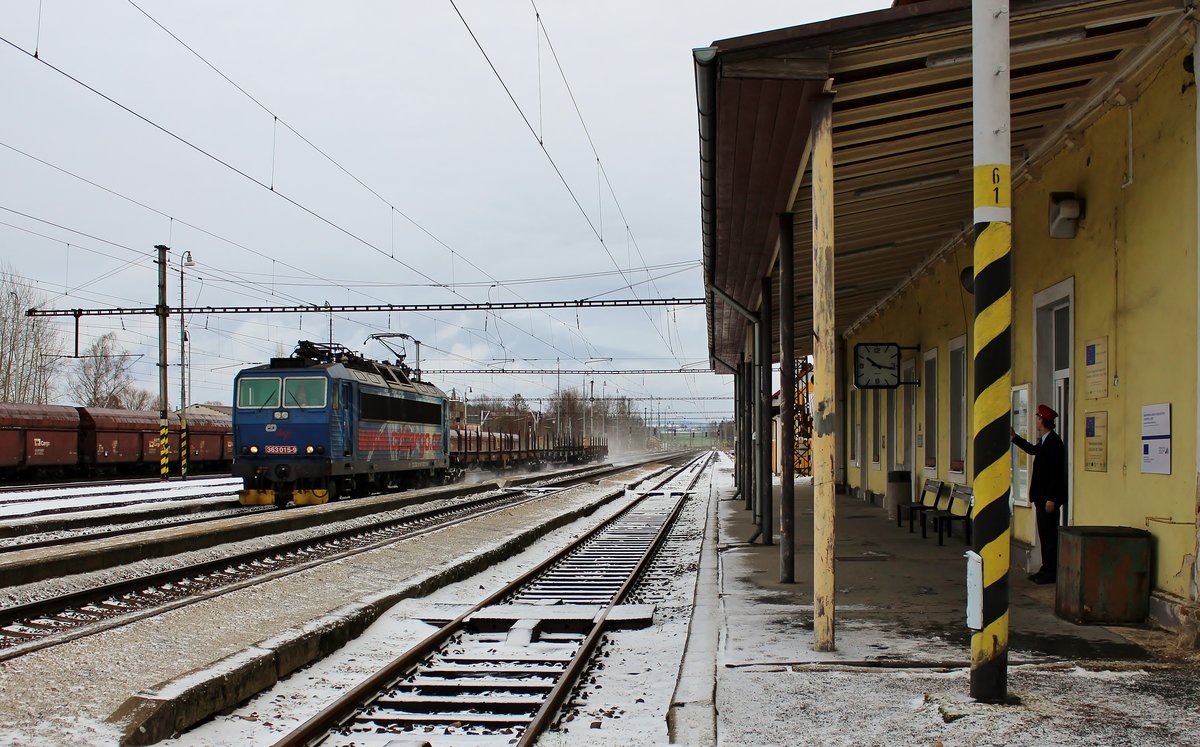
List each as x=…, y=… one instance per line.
x=1048, y=481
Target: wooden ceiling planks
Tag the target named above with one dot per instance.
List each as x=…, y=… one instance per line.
x=902, y=136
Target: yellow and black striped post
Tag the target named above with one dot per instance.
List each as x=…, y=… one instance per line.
x=183, y=446
x=164, y=449
x=992, y=345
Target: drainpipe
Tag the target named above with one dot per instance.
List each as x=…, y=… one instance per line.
x=1195, y=580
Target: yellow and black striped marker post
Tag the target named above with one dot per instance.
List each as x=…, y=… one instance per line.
x=990, y=513
x=164, y=449
x=183, y=447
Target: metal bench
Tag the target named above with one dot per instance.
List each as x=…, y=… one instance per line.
x=926, y=501
x=959, y=509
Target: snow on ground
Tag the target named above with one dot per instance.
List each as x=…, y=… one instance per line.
x=53, y=587
x=781, y=706
x=758, y=702
x=62, y=695
x=635, y=664
x=25, y=503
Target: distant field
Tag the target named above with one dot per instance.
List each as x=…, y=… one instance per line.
x=688, y=439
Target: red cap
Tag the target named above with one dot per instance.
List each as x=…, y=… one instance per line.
x=1046, y=413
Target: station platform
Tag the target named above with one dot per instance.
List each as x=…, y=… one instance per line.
x=900, y=672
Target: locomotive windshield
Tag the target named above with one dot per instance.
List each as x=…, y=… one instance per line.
x=304, y=392
x=258, y=393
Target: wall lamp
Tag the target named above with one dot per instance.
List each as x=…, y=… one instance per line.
x=1066, y=210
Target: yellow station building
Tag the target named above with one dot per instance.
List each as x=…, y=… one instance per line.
x=1105, y=260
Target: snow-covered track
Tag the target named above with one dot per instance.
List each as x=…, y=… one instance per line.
x=499, y=672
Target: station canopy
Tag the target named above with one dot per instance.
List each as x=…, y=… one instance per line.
x=902, y=139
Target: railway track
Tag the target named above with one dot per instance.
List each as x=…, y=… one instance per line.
x=126, y=524
x=499, y=673
x=14, y=506
x=17, y=486
x=43, y=623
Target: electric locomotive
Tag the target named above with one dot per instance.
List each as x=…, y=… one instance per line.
x=327, y=422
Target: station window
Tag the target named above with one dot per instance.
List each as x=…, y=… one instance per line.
x=876, y=431
x=958, y=404
x=308, y=391
x=930, y=384
x=853, y=422
x=254, y=393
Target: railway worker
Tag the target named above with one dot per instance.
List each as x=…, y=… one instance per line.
x=1047, y=488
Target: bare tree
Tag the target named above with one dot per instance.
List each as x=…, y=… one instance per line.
x=134, y=398
x=29, y=345
x=102, y=377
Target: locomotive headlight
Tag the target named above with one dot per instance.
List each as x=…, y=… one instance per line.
x=309, y=450
x=253, y=449
x=320, y=449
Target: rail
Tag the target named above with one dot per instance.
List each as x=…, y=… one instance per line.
x=485, y=669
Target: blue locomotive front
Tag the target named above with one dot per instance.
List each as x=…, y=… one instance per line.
x=326, y=423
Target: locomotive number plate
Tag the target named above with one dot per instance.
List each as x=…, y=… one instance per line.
x=272, y=449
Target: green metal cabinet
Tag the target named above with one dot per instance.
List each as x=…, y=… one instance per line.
x=1103, y=574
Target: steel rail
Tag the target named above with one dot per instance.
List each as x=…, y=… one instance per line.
x=318, y=727
x=554, y=700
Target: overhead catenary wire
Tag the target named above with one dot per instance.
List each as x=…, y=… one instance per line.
x=550, y=158
x=173, y=219
x=220, y=161
x=276, y=120
x=269, y=186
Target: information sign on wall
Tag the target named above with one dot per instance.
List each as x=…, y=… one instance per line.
x=1156, y=439
x=1096, y=367
x=1095, y=439
x=1019, y=459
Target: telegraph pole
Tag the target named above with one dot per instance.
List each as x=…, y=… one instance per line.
x=987, y=591
x=163, y=311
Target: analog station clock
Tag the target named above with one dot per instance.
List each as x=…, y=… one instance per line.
x=876, y=365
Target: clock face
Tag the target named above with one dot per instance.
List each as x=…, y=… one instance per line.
x=877, y=365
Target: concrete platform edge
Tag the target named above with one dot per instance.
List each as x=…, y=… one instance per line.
x=176, y=704
x=692, y=715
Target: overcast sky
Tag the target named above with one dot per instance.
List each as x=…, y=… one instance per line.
x=460, y=202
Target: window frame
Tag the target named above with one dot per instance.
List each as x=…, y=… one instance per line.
x=306, y=406
x=959, y=345
x=266, y=405
x=853, y=429
x=929, y=391
x=876, y=429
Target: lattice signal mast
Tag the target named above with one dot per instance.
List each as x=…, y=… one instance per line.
x=804, y=421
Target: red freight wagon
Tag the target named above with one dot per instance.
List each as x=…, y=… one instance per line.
x=209, y=438
x=38, y=436
x=114, y=438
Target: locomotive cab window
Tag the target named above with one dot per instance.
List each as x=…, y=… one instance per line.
x=308, y=391
x=254, y=393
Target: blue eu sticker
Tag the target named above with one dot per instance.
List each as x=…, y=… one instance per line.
x=1091, y=428
x=1091, y=355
